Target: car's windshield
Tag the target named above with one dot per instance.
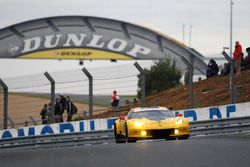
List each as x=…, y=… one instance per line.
x=151, y=114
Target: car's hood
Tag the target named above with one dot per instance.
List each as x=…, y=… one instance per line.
x=146, y=121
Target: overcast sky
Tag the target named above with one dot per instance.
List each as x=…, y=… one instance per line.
x=209, y=20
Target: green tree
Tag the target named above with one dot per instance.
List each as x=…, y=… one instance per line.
x=161, y=76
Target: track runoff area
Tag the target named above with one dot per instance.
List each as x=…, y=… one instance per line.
x=204, y=152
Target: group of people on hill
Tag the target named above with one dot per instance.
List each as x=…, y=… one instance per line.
x=240, y=62
x=62, y=104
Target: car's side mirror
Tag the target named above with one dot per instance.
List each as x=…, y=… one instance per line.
x=179, y=115
x=122, y=118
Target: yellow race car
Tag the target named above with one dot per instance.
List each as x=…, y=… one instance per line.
x=150, y=123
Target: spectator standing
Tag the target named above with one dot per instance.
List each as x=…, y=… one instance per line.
x=115, y=101
x=63, y=101
x=70, y=109
x=58, y=111
x=134, y=101
x=44, y=114
x=237, y=57
x=212, y=68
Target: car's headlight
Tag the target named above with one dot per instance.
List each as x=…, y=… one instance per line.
x=138, y=124
x=143, y=133
x=179, y=121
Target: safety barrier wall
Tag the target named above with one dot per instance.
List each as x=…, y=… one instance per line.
x=59, y=128
x=199, y=114
x=214, y=112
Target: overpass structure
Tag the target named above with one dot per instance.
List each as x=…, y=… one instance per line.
x=92, y=38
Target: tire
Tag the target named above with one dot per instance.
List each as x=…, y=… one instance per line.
x=129, y=140
x=184, y=137
x=118, y=137
x=170, y=138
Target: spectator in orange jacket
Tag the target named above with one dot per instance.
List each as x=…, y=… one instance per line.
x=237, y=57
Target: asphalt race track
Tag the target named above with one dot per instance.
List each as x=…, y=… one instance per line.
x=204, y=152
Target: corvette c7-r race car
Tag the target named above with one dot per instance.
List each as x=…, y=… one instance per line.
x=150, y=123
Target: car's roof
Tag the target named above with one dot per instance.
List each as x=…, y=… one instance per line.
x=138, y=109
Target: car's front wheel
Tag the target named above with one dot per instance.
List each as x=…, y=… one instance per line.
x=118, y=137
x=129, y=140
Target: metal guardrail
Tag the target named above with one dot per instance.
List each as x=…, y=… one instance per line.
x=221, y=127
x=218, y=127
x=59, y=140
